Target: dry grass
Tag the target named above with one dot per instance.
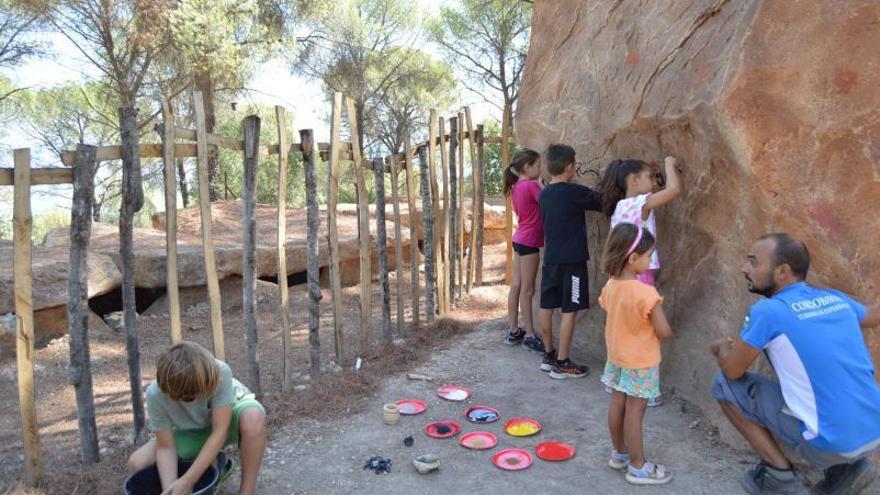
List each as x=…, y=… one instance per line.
x=341, y=393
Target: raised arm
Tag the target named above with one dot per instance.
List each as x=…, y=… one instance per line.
x=667, y=194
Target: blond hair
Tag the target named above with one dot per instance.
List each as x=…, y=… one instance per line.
x=187, y=371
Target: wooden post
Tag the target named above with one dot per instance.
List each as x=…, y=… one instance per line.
x=413, y=232
x=462, y=248
x=310, y=151
x=480, y=211
x=453, y=209
x=508, y=208
x=132, y=202
x=475, y=186
x=364, y=247
x=398, y=241
x=430, y=244
x=281, y=241
x=80, y=372
x=24, y=315
x=382, y=247
x=173, y=293
x=437, y=238
x=207, y=235
x=333, y=236
x=251, y=127
x=445, y=256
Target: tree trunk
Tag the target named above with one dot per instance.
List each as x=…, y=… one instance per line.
x=204, y=83
x=428, y=221
x=312, y=268
x=398, y=243
x=382, y=237
x=480, y=210
x=132, y=202
x=251, y=127
x=80, y=372
x=181, y=177
x=452, y=204
x=413, y=232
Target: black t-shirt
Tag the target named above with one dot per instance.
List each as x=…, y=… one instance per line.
x=565, y=227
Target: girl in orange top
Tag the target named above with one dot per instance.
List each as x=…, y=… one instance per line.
x=634, y=326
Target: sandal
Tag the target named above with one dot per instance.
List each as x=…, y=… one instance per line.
x=649, y=474
x=618, y=461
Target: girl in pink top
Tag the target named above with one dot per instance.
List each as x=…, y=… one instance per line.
x=523, y=189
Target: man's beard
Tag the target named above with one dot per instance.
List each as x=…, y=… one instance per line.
x=766, y=291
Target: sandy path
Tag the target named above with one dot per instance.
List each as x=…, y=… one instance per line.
x=308, y=456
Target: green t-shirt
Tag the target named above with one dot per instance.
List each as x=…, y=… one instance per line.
x=166, y=414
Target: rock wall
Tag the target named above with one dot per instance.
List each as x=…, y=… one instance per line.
x=773, y=111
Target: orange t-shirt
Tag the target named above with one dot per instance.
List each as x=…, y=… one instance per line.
x=629, y=334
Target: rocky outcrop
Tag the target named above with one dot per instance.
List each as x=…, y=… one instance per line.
x=774, y=113
x=50, y=263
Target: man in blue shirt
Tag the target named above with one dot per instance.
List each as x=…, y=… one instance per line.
x=826, y=405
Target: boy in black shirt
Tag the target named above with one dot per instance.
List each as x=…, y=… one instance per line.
x=564, y=274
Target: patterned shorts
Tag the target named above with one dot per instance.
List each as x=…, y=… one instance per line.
x=642, y=382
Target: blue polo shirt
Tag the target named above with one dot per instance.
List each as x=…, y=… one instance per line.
x=813, y=340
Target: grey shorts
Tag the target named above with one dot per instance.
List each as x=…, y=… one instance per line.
x=760, y=400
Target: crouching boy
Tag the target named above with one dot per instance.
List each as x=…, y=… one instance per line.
x=196, y=408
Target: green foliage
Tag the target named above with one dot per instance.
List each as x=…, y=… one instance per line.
x=487, y=41
x=492, y=172
x=229, y=123
x=227, y=38
x=63, y=116
x=366, y=50
x=47, y=222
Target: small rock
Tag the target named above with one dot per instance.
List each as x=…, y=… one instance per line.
x=693, y=424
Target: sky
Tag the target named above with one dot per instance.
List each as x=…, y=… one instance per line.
x=272, y=84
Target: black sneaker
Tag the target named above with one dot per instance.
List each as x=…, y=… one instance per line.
x=847, y=478
x=514, y=338
x=549, y=361
x=765, y=479
x=533, y=343
x=568, y=369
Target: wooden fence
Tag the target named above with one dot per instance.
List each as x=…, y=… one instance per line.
x=452, y=267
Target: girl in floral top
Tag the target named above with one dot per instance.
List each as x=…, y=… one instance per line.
x=633, y=329
x=628, y=195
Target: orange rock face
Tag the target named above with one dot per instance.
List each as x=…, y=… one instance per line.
x=773, y=111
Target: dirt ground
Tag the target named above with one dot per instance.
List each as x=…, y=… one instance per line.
x=311, y=456
x=56, y=405
x=322, y=434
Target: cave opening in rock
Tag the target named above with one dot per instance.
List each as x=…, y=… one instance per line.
x=111, y=302
x=293, y=279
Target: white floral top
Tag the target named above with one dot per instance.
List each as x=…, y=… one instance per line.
x=629, y=210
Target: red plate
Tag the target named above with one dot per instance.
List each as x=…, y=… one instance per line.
x=481, y=414
x=554, y=451
x=431, y=429
x=512, y=459
x=454, y=392
x=478, y=440
x=522, y=427
x=411, y=407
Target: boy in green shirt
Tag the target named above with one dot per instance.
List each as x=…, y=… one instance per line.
x=196, y=407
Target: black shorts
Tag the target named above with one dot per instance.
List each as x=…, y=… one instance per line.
x=524, y=250
x=565, y=286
